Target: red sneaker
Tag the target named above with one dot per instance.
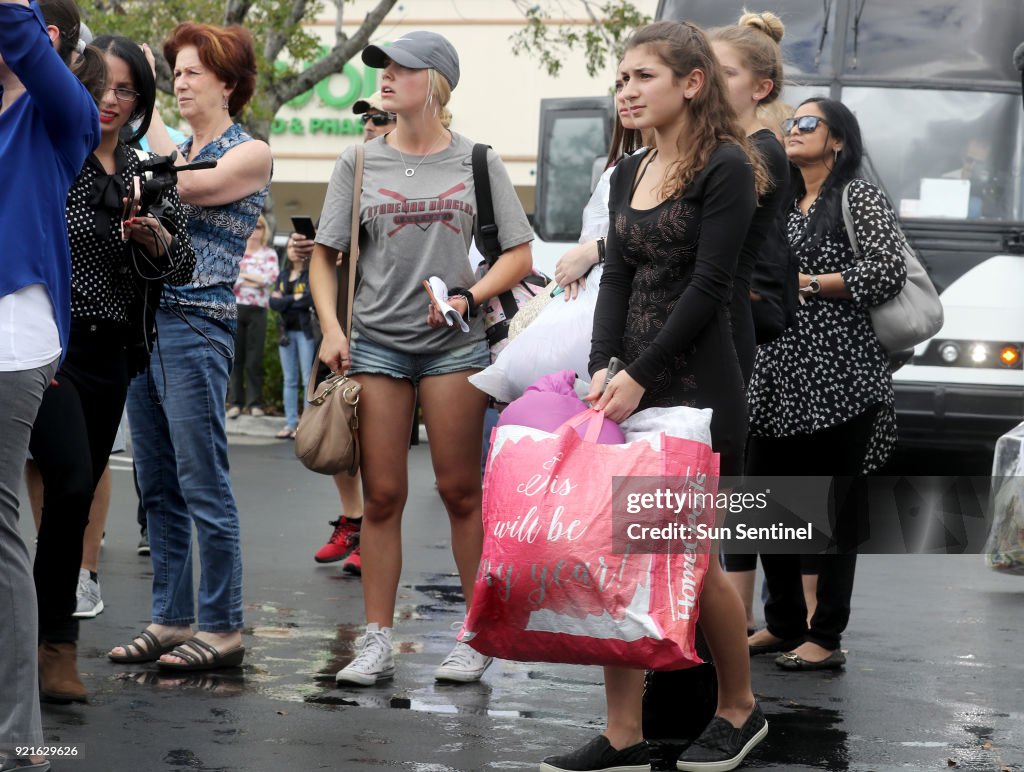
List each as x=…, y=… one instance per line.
x=353, y=563
x=344, y=539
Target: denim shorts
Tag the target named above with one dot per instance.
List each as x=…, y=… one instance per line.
x=372, y=358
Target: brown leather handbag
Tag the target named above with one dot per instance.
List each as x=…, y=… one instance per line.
x=327, y=439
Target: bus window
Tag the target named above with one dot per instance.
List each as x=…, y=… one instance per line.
x=804, y=20
x=935, y=39
x=944, y=154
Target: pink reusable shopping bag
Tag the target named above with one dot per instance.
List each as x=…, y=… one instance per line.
x=549, y=587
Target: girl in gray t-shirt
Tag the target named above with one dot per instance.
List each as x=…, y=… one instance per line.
x=417, y=214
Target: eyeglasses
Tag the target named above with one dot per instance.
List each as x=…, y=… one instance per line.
x=805, y=124
x=379, y=119
x=125, y=94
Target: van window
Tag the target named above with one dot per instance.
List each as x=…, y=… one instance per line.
x=944, y=154
x=570, y=142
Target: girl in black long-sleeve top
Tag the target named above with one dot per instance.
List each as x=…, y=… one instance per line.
x=679, y=215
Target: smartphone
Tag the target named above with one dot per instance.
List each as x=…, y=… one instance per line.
x=614, y=366
x=304, y=225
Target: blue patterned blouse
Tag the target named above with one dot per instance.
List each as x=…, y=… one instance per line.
x=219, y=234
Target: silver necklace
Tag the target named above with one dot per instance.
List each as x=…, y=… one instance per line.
x=409, y=170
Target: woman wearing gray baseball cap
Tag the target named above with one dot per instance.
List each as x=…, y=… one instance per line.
x=418, y=211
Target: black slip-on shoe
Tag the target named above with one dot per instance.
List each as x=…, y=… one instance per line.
x=793, y=661
x=721, y=746
x=598, y=755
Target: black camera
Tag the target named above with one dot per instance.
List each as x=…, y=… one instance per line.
x=156, y=175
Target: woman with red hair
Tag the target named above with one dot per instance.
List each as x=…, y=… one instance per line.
x=176, y=409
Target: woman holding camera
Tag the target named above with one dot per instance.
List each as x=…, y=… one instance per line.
x=177, y=411
x=112, y=264
x=48, y=125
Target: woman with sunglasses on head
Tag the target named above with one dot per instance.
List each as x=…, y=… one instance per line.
x=679, y=214
x=48, y=125
x=176, y=409
x=821, y=397
x=418, y=209
x=114, y=264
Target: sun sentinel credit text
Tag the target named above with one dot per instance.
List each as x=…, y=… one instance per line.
x=666, y=501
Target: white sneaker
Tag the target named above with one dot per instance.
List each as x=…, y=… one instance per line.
x=234, y=411
x=89, y=601
x=375, y=660
x=464, y=664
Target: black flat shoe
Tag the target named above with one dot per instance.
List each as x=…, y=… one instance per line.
x=787, y=644
x=598, y=755
x=721, y=746
x=793, y=661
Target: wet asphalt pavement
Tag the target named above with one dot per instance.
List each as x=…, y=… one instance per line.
x=934, y=681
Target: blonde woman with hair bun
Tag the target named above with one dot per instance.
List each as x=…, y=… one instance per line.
x=752, y=64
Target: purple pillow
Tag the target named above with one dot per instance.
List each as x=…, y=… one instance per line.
x=551, y=401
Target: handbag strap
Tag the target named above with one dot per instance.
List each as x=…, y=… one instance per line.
x=346, y=279
x=851, y=232
x=349, y=281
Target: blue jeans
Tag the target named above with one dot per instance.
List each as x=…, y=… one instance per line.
x=296, y=361
x=181, y=459
x=368, y=356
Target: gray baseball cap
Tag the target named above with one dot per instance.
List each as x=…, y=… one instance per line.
x=418, y=50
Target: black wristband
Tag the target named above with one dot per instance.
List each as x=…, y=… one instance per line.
x=600, y=251
x=470, y=300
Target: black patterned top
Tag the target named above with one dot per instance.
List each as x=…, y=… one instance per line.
x=830, y=367
x=665, y=292
x=104, y=282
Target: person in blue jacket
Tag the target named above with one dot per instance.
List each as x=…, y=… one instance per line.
x=49, y=123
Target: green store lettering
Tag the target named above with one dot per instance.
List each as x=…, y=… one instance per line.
x=320, y=126
x=338, y=92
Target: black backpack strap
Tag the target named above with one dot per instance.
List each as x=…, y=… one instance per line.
x=486, y=228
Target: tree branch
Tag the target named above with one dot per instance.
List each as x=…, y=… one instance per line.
x=339, y=33
x=277, y=39
x=291, y=86
x=235, y=11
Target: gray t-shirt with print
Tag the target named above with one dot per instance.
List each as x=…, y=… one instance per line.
x=412, y=228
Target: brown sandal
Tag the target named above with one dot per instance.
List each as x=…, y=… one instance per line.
x=151, y=652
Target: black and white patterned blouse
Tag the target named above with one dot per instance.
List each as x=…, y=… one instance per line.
x=830, y=368
x=103, y=281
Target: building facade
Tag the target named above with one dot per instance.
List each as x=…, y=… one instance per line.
x=497, y=100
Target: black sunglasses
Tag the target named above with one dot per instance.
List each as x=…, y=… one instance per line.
x=805, y=124
x=379, y=119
